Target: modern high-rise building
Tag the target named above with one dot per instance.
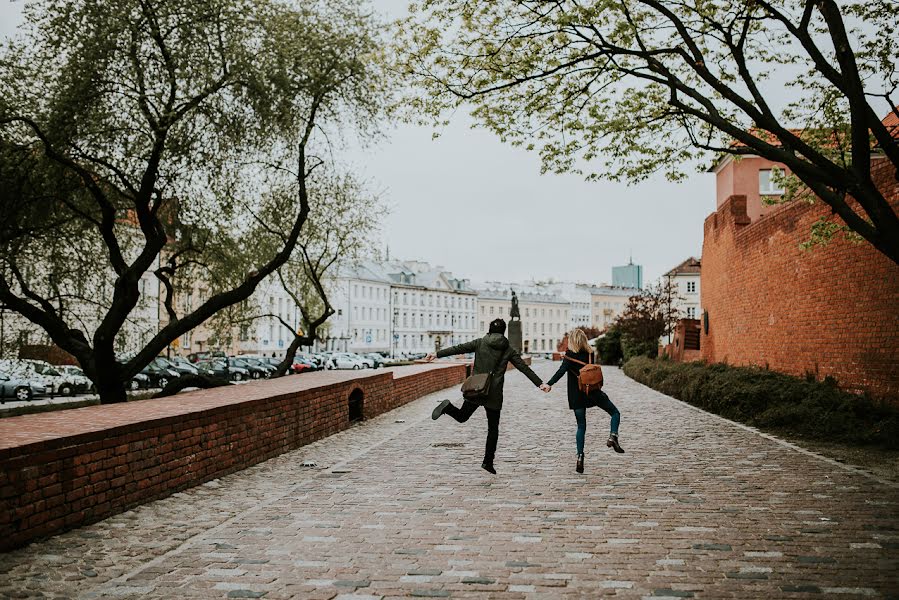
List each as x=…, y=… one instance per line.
x=629, y=276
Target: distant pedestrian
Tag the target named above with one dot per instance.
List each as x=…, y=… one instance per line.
x=578, y=354
x=492, y=353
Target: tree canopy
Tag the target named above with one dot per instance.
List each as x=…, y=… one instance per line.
x=167, y=140
x=623, y=89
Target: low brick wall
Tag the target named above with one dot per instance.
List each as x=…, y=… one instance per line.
x=70, y=468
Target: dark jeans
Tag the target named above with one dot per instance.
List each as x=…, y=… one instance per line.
x=580, y=414
x=463, y=414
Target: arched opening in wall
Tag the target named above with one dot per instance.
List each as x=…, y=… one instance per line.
x=356, y=405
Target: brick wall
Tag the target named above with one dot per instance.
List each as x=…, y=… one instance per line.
x=832, y=310
x=69, y=468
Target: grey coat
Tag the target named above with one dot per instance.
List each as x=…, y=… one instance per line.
x=493, y=353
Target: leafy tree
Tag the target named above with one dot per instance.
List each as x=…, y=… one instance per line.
x=166, y=140
x=646, y=318
x=609, y=347
x=340, y=230
x=651, y=85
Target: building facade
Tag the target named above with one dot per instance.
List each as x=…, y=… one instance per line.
x=685, y=283
x=629, y=276
x=400, y=307
x=607, y=303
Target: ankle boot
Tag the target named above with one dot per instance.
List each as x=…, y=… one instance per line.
x=580, y=463
x=613, y=443
x=488, y=466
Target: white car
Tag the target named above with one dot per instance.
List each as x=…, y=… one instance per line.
x=56, y=383
x=16, y=388
x=340, y=360
x=367, y=361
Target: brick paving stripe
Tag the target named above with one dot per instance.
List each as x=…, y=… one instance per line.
x=398, y=506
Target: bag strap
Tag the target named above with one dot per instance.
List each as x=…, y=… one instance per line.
x=580, y=362
x=568, y=358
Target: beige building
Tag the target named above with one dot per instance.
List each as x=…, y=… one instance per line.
x=607, y=303
x=544, y=317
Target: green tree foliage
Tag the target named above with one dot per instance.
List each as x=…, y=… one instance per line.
x=609, y=347
x=647, y=317
x=653, y=85
x=172, y=142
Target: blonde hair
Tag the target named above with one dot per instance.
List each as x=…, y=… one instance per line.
x=577, y=341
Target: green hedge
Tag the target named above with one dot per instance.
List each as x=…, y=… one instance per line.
x=773, y=401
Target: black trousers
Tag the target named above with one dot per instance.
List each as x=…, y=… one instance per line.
x=463, y=414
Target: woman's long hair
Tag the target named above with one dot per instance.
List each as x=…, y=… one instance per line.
x=577, y=341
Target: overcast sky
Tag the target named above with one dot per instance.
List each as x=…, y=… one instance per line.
x=482, y=210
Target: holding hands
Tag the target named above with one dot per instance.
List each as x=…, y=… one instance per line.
x=430, y=357
x=545, y=388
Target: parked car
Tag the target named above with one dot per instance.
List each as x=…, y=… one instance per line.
x=268, y=369
x=315, y=360
x=225, y=370
x=54, y=382
x=159, y=376
x=254, y=371
x=302, y=365
x=194, y=357
x=139, y=382
x=178, y=364
x=77, y=372
x=376, y=358
x=344, y=361
x=15, y=388
x=367, y=362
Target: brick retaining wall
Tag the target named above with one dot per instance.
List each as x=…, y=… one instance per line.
x=832, y=310
x=70, y=468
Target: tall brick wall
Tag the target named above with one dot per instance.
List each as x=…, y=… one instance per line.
x=832, y=310
x=69, y=468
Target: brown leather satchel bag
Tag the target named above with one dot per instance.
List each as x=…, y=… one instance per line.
x=477, y=387
x=590, y=377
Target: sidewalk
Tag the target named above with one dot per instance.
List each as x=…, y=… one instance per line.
x=397, y=507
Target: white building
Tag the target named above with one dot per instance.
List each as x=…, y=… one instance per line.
x=578, y=296
x=362, y=302
x=684, y=280
x=400, y=307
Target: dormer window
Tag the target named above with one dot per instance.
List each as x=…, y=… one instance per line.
x=767, y=184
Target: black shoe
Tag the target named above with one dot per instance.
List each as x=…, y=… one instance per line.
x=488, y=467
x=580, y=463
x=613, y=443
x=439, y=410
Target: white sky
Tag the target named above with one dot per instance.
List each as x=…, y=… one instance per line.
x=482, y=210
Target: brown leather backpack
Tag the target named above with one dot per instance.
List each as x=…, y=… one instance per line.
x=590, y=377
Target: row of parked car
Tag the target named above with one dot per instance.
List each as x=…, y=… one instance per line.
x=24, y=379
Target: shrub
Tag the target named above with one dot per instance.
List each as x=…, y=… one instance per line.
x=609, y=347
x=773, y=401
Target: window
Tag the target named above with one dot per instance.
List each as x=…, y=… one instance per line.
x=691, y=287
x=691, y=312
x=767, y=184
x=492, y=309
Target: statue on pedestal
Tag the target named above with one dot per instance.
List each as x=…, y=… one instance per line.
x=514, y=313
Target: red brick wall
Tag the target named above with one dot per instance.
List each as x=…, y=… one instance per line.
x=831, y=310
x=69, y=468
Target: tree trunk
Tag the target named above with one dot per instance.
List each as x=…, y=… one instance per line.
x=288, y=357
x=200, y=381
x=111, y=391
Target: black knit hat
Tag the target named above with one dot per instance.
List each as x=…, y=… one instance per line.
x=497, y=326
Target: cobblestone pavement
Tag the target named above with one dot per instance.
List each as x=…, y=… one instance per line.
x=697, y=508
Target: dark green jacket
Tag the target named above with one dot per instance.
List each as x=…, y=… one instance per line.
x=493, y=353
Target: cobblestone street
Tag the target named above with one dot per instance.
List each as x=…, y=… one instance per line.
x=697, y=508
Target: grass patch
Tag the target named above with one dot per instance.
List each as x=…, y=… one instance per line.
x=774, y=401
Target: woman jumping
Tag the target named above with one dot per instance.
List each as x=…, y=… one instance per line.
x=579, y=353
